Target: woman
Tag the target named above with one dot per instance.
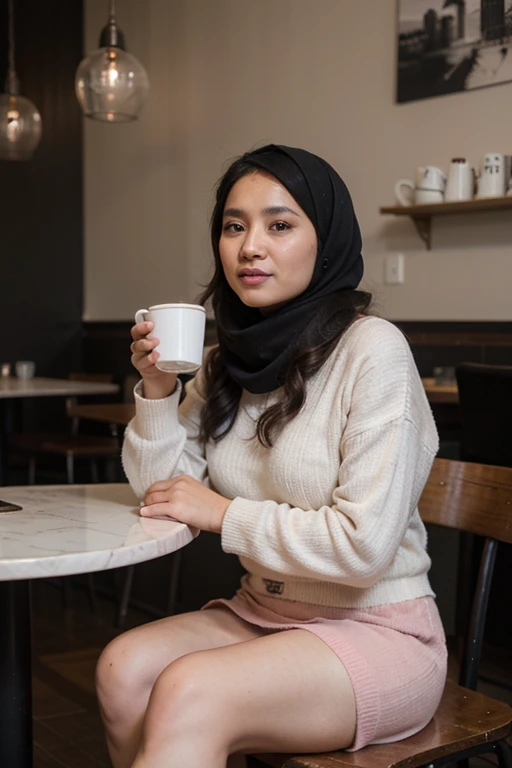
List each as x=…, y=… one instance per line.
x=305, y=442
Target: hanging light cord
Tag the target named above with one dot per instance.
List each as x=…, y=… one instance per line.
x=11, y=81
x=112, y=10
x=11, y=36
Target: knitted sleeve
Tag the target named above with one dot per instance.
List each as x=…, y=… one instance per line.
x=387, y=450
x=161, y=440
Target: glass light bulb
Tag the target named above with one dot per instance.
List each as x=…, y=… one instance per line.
x=111, y=85
x=20, y=127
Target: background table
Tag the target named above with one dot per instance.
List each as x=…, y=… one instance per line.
x=61, y=530
x=41, y=387
x=441, y=393
x=12, y=389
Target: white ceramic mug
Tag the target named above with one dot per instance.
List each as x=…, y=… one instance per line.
x=428, y=187
x=180, y=330
x=493, y=181
x=461, y=181
x=416, y=195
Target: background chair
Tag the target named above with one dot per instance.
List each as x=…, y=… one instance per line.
x=477, y=499
x=485, y=396
x=70, y=446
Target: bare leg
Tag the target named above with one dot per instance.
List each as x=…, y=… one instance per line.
x=286, y=692
x=130, y=665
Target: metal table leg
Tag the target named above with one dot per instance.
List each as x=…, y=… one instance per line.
x=10, y=415
x=15, y=675
x=3, y=440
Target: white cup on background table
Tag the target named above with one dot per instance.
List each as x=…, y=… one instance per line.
x=25, y=369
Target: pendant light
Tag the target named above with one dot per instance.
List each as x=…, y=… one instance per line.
x=20, y=122
x=110, y=84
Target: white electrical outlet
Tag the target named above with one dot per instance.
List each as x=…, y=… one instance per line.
x=394, y=269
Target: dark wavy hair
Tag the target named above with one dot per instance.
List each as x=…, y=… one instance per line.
x=222, y=393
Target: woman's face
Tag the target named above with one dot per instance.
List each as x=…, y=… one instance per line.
x=268, y=245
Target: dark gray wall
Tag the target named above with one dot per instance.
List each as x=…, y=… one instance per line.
x=41, y=230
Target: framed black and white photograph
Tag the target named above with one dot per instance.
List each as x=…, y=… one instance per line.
x=445, y=46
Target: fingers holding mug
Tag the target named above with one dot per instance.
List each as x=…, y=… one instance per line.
x=141, y=330
x=143, y=347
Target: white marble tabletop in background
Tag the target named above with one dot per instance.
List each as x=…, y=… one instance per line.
x=42, y=387
x=67, y=529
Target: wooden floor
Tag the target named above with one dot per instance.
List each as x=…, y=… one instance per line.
x=67, y=643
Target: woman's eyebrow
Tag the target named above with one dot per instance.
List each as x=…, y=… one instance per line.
x=278, y=209
x=272, y=211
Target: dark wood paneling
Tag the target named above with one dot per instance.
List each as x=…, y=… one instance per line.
x=106, y=347
x=432, y=343
x=450, y=343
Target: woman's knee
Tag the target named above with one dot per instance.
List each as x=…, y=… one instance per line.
x=186, y=687
x=122, y=673
x=185, y=693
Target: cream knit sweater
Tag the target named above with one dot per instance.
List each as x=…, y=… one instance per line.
x=329, y=514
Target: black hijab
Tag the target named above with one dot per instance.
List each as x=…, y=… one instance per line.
x=257, y=349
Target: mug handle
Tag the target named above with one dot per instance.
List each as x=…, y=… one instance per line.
x=402, y=199
x=141, y=315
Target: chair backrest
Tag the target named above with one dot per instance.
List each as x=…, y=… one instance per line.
x=102, y=378
x=485, y=395
x=476, y=499
x=128, y=386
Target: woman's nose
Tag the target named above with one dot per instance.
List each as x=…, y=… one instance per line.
x=253, y=246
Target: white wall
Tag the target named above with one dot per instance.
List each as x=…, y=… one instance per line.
x=135, y=173
x=233, y=74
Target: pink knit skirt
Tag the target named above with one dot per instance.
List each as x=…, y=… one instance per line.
x=395, y=656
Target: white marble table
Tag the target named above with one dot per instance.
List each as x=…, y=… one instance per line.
x=61, y=530
x=13, y=389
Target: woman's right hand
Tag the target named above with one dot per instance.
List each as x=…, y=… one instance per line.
x=157, y=384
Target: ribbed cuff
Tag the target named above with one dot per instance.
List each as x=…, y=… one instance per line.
x=154, y=419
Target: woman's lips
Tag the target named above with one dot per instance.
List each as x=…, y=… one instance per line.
x=253, y=279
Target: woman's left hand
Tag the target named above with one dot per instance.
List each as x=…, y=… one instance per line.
x=186, y=500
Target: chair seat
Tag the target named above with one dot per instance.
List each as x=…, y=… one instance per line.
x=77, y=445
x=82, y=445
x=464, y=719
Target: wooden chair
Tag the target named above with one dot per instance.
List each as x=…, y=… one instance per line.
x=477, y=499
x=70, y=446
x=485, y=395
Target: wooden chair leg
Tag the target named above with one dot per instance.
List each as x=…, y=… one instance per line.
x=70, y=468
x=110, y=470
x=32, y=470
x=92, y=592
x=504, y=752
x=174, y=582
x=67, y=594
x=94, y=471
x=122, y=608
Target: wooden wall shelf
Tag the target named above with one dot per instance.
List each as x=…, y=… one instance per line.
x=422, y=214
